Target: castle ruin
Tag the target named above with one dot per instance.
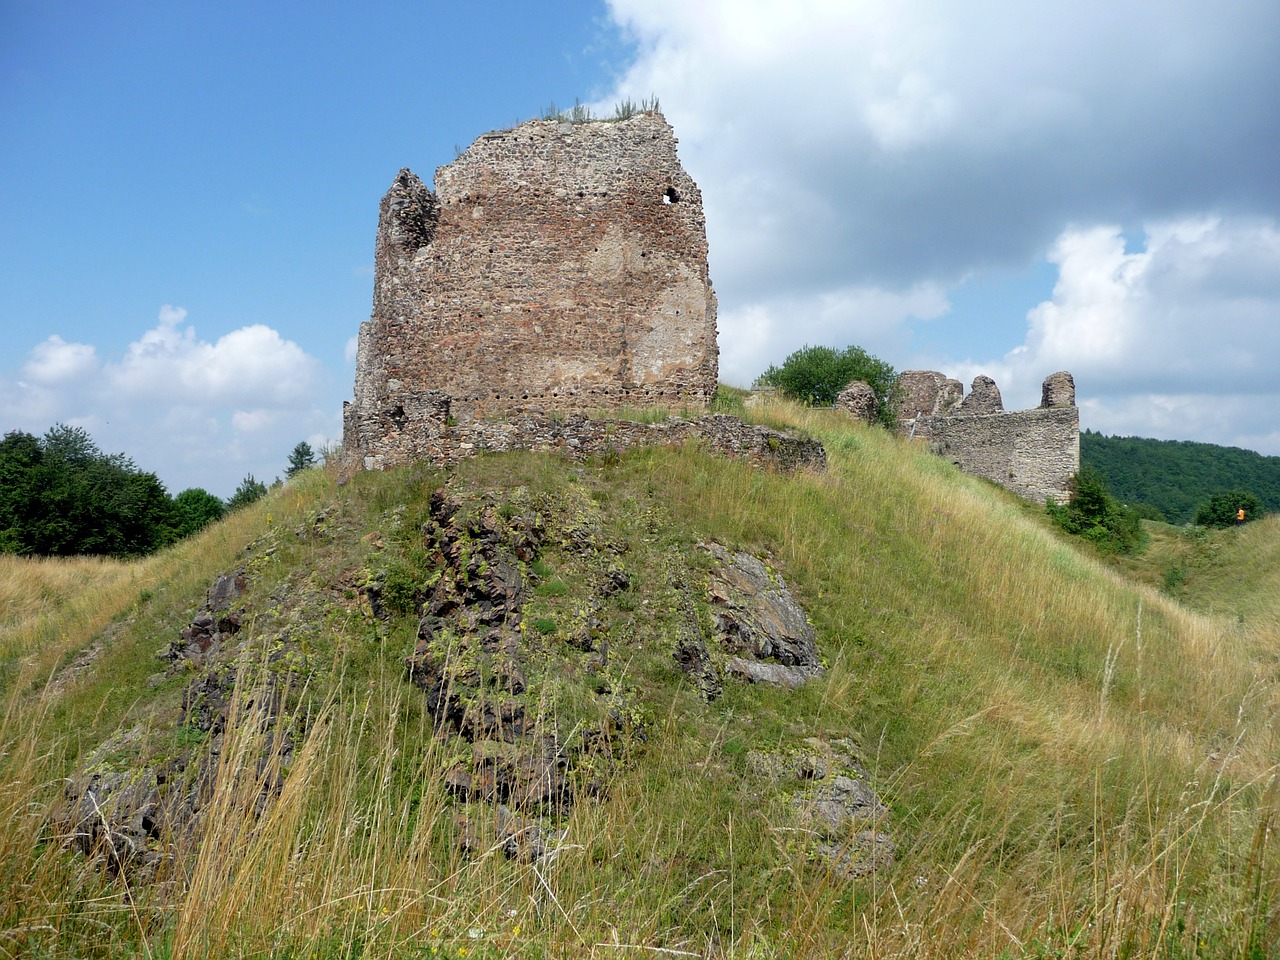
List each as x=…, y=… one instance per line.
x=1030, y=452
x=557, y=268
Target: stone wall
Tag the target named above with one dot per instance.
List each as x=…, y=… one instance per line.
x=558, y=267
x=440, y=440
x=1031, y=452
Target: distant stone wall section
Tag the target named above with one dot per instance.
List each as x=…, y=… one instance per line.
x=558, y=267
x=1031, y=452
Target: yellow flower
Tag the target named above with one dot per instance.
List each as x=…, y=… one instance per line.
x=515, y=931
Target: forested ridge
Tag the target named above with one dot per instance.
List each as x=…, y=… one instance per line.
x=1177, y=476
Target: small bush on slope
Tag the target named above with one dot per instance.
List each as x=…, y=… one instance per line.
x=1095, y=515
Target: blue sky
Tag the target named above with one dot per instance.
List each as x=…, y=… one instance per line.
x=189, y=192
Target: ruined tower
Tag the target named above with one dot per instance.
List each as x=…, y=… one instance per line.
x=557, y=267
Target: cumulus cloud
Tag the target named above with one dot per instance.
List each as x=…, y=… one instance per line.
x=871, y=317
x=253, y=361
x=55, y=362
x=1174, y=338
x=198, y=412
x=897, y=149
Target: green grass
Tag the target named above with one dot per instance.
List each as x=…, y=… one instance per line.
x=1077, y=762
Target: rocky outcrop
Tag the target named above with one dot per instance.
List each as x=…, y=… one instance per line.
x=832, y=803
x=859, y=400
x=758, y=623
x=477, y=658
x=759, y=632
x=141, y=817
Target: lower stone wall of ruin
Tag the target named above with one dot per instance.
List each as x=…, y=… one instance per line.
x=429, y=433
x=1031, y=452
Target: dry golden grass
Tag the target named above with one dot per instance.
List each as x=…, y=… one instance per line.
x=31, y=587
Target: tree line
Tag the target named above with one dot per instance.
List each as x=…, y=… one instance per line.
x=1183, y=481
x=60, y=495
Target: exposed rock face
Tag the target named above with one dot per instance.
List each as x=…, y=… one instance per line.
x=984, y=397
x=757, y=623
x=139, y=818
x=558, y=267
x=858, y=399
x=1058, y=390
x=833, y=803
x=1031, y=452
x=756, y=615
x=926, y=393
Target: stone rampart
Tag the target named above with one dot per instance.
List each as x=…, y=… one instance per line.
x=558, y=267
x=1031, y=452
x=443, y=441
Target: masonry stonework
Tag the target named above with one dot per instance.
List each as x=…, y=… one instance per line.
x=1031, y=452
x=557, y=268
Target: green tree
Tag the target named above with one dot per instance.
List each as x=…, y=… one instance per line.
x=249, y=491
x=1095, y=515
x=300, y=459
x=61, y=495
x=1179, y=476
x=815, y=376
x=1221, y=509
x=195, y=509
x=20, y=491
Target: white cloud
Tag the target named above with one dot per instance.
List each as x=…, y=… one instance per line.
x=197, y=412
x=252, y=362
x=1177, y=339
x=859, y=160
x=765, y=332
x=252, y=421
x=56, y=362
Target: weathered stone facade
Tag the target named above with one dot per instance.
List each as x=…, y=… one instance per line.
x=559, y=267
x=859, y=399
x=1031, y=452
x=578, y=436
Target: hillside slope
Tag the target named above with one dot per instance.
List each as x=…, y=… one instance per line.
x=1072, y=764
x=1177, y=476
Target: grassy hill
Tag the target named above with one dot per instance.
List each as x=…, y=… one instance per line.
x=1177, y=476
x=1075, y=762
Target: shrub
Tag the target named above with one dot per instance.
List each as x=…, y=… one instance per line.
x=1220, y=510
x=815, y=376
x=1095, y=515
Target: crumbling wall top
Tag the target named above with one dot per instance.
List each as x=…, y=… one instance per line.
x=984, y=397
